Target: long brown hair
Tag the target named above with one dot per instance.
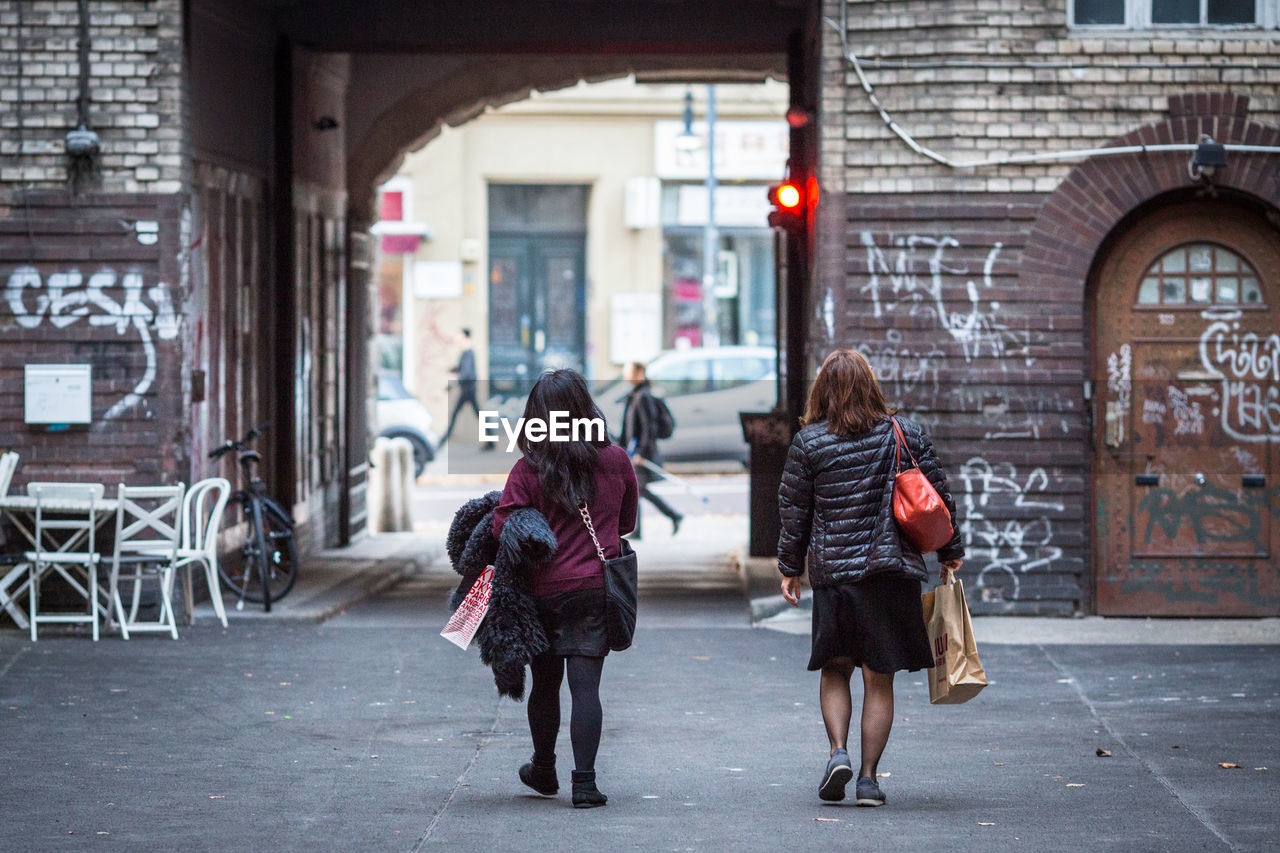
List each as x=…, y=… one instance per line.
x=846, y=395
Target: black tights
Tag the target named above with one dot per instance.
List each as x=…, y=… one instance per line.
x=586, y=717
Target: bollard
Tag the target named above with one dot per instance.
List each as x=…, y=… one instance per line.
x=379, y=468
x=402, y=491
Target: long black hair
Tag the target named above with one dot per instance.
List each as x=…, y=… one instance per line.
x=566, y=469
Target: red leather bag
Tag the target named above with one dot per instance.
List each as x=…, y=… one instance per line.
x=917, y=506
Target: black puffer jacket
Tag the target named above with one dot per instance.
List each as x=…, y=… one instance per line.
x=836, y=504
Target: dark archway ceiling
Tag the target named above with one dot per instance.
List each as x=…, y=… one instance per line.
x=542, y=26
x=417, y=66
x=398, y=103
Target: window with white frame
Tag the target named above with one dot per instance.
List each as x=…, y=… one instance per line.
x=1154, y=14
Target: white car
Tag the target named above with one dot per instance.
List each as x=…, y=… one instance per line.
x=705, y=388
x=399, y=414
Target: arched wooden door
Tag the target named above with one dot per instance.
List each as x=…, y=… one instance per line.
x=1186, y=374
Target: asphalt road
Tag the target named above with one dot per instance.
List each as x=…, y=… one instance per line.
x=369, y=732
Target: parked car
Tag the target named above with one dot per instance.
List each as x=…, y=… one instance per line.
x=705, y=388
x=399, y=414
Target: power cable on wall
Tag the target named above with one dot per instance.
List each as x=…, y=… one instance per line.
x=22, y=121
x=1010, y=159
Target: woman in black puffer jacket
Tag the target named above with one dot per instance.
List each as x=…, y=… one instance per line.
x=837, y=511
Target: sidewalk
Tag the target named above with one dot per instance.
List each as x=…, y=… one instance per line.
x=1059, y=630
x=704, y=555
x=332, y=580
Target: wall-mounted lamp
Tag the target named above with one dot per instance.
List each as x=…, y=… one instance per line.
x=84, y=153
x=688, y=140
x=325, y=123
x=1208, y=158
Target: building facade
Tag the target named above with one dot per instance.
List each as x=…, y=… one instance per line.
x=1087, y=328
x=1017, y=223
x=599, y=185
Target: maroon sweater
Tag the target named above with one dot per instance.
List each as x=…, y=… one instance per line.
x=575, y=565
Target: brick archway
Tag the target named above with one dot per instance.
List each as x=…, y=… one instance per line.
x=457, y=93
x=1079, y=224
x=1100, y=193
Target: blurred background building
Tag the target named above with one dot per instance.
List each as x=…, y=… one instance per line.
x=569, y=228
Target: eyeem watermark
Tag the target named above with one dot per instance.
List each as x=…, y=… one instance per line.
x=560, y=427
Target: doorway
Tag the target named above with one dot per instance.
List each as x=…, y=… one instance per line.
x=537, y=281
x=1187, y=415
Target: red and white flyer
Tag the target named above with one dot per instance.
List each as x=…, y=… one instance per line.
x=464, y=623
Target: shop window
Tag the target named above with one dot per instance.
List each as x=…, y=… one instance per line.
x=744, y=292
x=1200, y=274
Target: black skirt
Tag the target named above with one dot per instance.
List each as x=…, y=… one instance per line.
x=574, y=623
x=875, y=622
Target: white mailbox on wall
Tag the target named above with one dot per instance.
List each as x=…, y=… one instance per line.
x=59, y=393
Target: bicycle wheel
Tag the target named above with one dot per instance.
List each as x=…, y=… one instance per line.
x=243, y=576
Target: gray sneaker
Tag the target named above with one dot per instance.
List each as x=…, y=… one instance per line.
x=839, y=772
x=868, y=792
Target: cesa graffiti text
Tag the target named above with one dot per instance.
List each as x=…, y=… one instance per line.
x=65, y=298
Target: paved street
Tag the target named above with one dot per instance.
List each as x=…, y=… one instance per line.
x=434, y=500
x=369, y=732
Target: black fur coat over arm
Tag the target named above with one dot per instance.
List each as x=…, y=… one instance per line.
x=511, y=634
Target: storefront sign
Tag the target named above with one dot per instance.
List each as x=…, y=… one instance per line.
x=736, y=207
x=745, y=150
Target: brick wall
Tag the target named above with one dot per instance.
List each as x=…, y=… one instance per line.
x=83, y=285
x=135, y=101
x=96, y=276
x=967, y=287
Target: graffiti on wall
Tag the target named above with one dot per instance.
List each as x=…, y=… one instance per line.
x=1248, y=366
x=915, y=275
x=62, y=299
x=1009, y=547
x=902, y=369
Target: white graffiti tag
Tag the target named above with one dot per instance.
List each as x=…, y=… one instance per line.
x=64, y=298
x=1249, y=367
x=1010, y=546
x=970, y=320
x=1187, y=417
x=902, y=369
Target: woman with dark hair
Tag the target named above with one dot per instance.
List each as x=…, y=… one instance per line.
x=556, y=477
x=837, y=511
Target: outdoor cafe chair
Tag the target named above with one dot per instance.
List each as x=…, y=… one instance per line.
x=8, y=464
x=148, y=527
x=65, y=517
x=202, y=510
x=15, y=560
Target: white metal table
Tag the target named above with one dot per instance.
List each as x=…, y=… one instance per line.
x=21, y=510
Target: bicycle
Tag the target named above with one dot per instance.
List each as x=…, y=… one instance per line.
x=269, y=564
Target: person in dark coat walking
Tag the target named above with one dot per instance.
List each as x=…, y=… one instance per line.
x=557, y=477
x=836, y=508
x=465, y=374
x=640, y=438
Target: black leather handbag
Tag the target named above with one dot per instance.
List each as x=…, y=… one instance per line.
x=620, y=588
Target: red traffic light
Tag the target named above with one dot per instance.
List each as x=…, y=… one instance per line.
x=793, y=203
x=788, y=196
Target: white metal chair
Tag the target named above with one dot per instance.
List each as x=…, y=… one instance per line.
x=15, y=574
x=54, y=502
x=201, y=520
x=8, y=464
x=148, y=523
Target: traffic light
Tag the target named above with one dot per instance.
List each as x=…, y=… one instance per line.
x=793, y=203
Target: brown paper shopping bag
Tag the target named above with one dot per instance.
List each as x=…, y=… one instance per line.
x=957, y=674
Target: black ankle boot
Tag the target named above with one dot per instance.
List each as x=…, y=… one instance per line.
x=585, y=793
x=540, y=777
